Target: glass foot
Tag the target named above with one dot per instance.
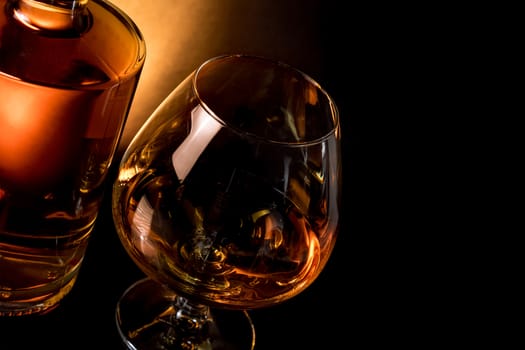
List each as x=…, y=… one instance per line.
x=147, y=316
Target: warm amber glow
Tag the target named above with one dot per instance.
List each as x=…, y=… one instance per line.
x=169, y=33
x=180, y=35
x=40, y=133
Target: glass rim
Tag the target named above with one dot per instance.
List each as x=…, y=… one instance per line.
x=276, y=63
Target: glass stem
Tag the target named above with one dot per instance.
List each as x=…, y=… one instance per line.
x=190, y=323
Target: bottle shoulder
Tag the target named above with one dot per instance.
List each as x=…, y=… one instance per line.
x=85, y=57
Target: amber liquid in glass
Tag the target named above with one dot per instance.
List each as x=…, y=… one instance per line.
x=229, y=240
x=64, y=98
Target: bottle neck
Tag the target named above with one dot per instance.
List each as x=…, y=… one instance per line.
x=53, y=16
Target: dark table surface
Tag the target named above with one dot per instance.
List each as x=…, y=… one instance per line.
x=360, y=300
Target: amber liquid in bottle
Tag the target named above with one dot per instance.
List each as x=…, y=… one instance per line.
x=67, y=78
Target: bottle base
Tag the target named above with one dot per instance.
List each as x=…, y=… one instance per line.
x=37, y=305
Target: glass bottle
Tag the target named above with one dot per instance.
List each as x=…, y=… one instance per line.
x=68, y=73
